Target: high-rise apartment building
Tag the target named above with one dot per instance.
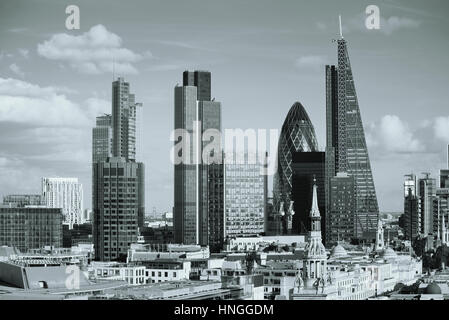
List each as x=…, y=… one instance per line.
x=30, y=227
x=346, y=144
x=102, y=138
x=195, y=113
x=244, y=199
x=67, y=194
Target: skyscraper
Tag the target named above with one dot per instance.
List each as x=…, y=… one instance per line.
x=244, y=199
x=307, y=167
x=67, y=194
x=412, y=221
x=102, y=138
x=124, y=115
x=118, y=190
x=341, y=215
x=117, y=207
x=427, y=196
x=195, y=113
x=346, y=144
x=297, y=135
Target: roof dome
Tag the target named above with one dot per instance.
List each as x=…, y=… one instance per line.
x=338, y=251
x=432, y=288
x=388, y=253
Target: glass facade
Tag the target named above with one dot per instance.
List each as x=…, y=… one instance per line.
x=346, y=142
x=102, y=139
x=297, y=135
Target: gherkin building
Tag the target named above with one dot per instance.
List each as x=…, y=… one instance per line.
x=297, y=135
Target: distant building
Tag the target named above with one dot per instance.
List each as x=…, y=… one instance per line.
x=29, y=228
x=22, y=200
x=427, y=197
x=244, y=199
x=65, y=193
x=340, y=218
x=307, y=166
x=412, y=220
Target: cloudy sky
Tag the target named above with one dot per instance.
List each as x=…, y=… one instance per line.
x=263, y=54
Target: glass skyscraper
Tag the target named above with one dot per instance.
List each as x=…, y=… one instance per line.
x=346, y=145
x=194, y=214
x=297, y=135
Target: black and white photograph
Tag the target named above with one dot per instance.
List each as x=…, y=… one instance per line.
x=224, y=157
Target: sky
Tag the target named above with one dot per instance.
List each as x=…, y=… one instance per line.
x=263, y=55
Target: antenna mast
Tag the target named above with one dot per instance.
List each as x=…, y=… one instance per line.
x=341, y=30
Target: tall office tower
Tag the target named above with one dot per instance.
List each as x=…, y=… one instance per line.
x=346, y=140
x=23, y=200
x=215, y=201
x=124, y=124
x=30, y=227
x=117, y=207
x=191, y=194
x=102, y=138
x=297, y=135
x=427, y=194
x=442, y=211
x=412, y=221
x=244, y=199
x=65, y=193
x=307, y=167
x=444, y=178
x=342, y=206
x=118, y=188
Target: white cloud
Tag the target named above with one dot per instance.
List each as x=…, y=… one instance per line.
x=310, y=62
x=388, y=26
x=92, y=52
x=394, y=136
x=441, y=128
x=16, y=69
x=23, y=102
x=24, y=53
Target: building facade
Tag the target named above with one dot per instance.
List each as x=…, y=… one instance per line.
x=307, y=167
x=117, y=207
x=244, y=200
x=22, y=200
x=65, y=193
x=30, y=228
x=102, y=138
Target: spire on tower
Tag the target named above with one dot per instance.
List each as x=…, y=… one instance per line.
x=314, y=211
x=341, y=30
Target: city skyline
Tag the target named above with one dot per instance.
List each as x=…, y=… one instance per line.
x=291, y=54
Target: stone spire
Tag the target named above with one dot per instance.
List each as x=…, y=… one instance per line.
x=315, y=254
